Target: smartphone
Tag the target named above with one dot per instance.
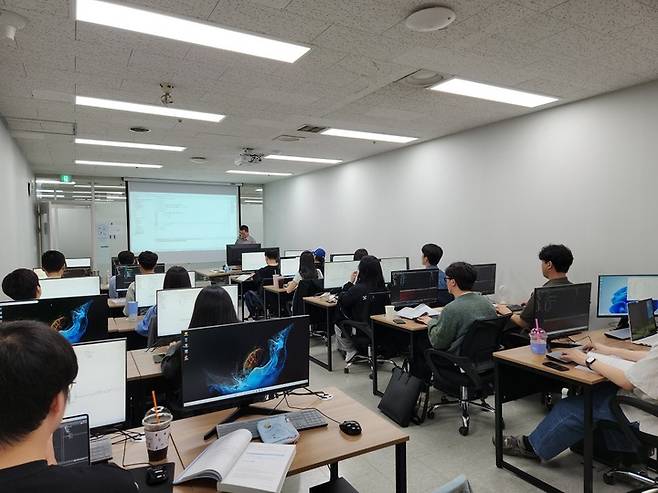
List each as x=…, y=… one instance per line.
x=555, y=366
x=399, y=321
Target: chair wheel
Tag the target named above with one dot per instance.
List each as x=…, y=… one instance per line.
x=346, y=370
x=430, y=414
x=609, y=478
x=463, y=431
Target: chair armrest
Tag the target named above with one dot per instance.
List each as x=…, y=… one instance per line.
x=638, y=403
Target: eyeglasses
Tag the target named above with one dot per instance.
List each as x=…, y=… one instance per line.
x=580, y=340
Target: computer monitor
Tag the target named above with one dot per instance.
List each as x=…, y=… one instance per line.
x=78, y=319
x=234, y=252
x=413, y=287
x=486, y=278
x=563, y=309
x=341, y=257
x=66, y=288
x=293, y=253
x=289, y=266
x=126, y=275
x=337, y=274
x=76, y=272
x=391, y=264
x=99, y=389
x=642, y=287
x=237, y=364
x=71, y=441
x=78, y=262
x=252, y=260
x=613, y=293
x=147, y=285
x=175, y=308
x=641, y=319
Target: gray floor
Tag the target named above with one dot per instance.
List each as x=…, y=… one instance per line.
x=436, y=452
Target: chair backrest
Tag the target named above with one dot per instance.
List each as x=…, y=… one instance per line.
x=482, y=339
x=372, y=304
x=306, y=287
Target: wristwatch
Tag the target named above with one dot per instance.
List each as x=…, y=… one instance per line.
x=590, y=361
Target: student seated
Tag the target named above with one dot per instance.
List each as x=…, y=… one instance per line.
x=448, y=330
x=368, y=279
x=430, y=258
x=244, y=238
x=175, y=278
x=555, y=263
x=253, y=298
x=307, y=270
x=34, y=393
x=53, y=264
x=319, y=256
x=564, y=426
x=125, y=257
x=22, y=285
x=360, y=253
x=213, y=306
x=147, y=261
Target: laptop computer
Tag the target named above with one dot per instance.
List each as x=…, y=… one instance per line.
x=642, y=323
x=71, y=441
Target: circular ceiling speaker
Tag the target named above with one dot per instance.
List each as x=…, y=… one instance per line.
x=198, y=159
x=430, y=19
x=422, y=78
x=140, y=130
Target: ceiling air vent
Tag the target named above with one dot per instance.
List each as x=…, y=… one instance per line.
x=311, y=128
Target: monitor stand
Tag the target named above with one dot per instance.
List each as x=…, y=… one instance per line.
x=623, y=323
x=242, y=411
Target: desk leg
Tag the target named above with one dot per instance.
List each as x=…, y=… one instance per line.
x=329, y=334
x=265, y=310
x=588, y=448
x=278, y=303
x=375, y=365
x=498, y=395
x=401, y=468
x=333, y=472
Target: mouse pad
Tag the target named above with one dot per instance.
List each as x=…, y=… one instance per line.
x=139, y=475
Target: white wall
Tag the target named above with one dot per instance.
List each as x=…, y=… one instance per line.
x=17, y=210
x=584, y=174
x=252, y=216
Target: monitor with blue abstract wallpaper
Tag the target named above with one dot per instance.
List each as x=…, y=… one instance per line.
x=614, y=292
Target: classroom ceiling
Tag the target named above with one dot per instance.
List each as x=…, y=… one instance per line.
x=360, y=49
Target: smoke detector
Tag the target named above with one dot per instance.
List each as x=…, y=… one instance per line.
x=198, y=159
x=430, y=19
x=248, y=157
x=166, y=97
x=10, y=22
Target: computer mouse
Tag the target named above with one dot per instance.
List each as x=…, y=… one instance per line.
x=351, y=428
x=156, y=475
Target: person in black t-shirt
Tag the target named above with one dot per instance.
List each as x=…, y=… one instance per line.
x=37, y=367
x=254, y=298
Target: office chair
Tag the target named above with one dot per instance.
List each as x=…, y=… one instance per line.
x=644, y=444
x=468, y=375
x=305, y=288
x=359, y=326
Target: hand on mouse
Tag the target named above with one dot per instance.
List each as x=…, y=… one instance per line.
x=574, y=355
x=503, y=309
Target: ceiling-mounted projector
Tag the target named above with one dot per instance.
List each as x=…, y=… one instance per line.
x=248, y=157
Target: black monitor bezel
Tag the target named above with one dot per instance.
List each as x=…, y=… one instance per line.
x=252, y=247
x=494, y=278
x=564, y=332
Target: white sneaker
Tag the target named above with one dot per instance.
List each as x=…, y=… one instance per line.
x=349, y=356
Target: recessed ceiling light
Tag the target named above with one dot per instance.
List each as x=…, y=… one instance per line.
x=130, y=145
x=479, y=90
x=198, y=159
x=253, y=201
x=280, y=157
x=56, y=182
x=166, y=26
x=265, y=173
x=120, y=187
x=355, y=134
x=110, y=104
x=250, y=198
x=259, y=189
x=430, y=19
x=121, y=165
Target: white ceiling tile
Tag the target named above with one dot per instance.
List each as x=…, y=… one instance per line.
x=59, y=8
x=644, y=34
x=534, y=28
x=539, y=5
x=361, y=43
x=200, y=9
x=603, y=16
x=576, y=43
x=554, y=87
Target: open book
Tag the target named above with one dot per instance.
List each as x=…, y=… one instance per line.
x=240, y=466
x=244, y=277
x=419, y=311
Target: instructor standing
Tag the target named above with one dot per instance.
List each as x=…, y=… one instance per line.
x=244, y=238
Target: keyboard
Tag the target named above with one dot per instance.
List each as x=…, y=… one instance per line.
x=621, y=334
x=515, y=308
x=301, y=420
x=100, y=449
x=648, y=341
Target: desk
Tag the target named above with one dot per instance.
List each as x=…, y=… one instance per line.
x=116, y=302
x=329, y=309
x=144, y=364
x=132, y=373
x=240, y=283
x=122, y=324
x=411, y=328
x=509, y=363
x=216, y=274
x=278, y=292
x=317, y=447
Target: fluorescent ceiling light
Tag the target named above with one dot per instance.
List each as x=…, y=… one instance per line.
x=97, y=192
x=355, y=134
x=253, y=201
x=280, y=157
x=120, y=187
x=251, y=198
x=121, y=165
x=265, y=173
x=131, y=145
x=259, y=189
x=111, y=104
x=54, y=182
x=50, y=196
x=479, y=90
x=188, y=31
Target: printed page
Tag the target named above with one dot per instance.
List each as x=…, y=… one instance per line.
x=262, y=468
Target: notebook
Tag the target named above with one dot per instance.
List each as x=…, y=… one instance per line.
x=240, y=466
x=419, y=311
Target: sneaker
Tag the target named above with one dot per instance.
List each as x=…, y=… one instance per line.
x=514, y=446
x=350, y=355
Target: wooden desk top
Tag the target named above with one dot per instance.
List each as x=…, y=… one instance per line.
x=409, y=325
x=320, y=301
x=274, y=290
x=523, y=356
x=212, y=273
x=316, y=447
x=116, y=302
x=144, y=364
x=123, y=324
x=132, y=373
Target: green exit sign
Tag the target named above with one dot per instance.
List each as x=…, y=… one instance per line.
x=65, y=178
